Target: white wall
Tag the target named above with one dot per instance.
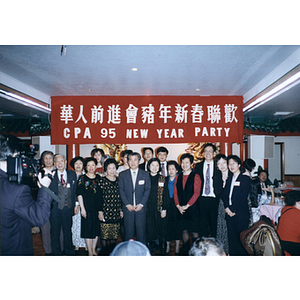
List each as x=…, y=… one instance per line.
x=292, y=154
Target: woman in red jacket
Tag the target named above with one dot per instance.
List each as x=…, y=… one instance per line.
x=289, y=224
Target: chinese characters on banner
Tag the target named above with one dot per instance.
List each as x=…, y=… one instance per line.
x=146, y=119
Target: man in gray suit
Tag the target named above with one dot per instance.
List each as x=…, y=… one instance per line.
x=134, y=186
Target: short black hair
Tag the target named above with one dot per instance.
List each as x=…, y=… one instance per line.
x=220, y=156
x=108, y=162
x=162, y=149
x=151, y=161
x=134, y=154
x=210, y=145
x=173, y=163
x=249, y=164
x=292, y=197
x=73, y=161
x=94, y=151
x=147, y=148
x=9, y=145
x=88, y=159
x=236, y=159
x=187, y=155
x=123, y=153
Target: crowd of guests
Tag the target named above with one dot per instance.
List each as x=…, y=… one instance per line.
x=156, y=202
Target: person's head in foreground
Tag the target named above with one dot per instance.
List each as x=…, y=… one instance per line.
x=130, y=248
x=207, y=246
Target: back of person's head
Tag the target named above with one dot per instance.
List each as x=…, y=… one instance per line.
x=292, y=197
x=249, y=164
x=130, y=248
x=9, y=145
x=207, y=246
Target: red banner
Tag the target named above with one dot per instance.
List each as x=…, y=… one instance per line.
x=146, y=119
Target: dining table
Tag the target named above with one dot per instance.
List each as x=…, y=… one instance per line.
x=270, y=211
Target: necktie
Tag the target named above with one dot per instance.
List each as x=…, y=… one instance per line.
x=134, y=180
x=207, y=181
x=163, y=173
x=62, y=179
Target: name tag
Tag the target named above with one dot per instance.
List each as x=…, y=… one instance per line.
x=68, y=185
x=141, y=182
x=161, y=184
x=237, y=183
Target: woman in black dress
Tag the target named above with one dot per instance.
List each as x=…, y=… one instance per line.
x=90, y=199
x=111, y=214
x=157, y=206
x=172, y=231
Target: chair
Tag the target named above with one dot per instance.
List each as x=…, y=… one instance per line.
x=261, y=239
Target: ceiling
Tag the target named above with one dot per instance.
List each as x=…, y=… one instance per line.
x=44, y=71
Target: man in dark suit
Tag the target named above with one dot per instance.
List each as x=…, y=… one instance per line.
x=147, y=155
x=64, y=186
x=134, y=186
x=19, y=211
x=256, y=186
x=211, y=189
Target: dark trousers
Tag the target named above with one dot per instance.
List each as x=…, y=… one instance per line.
x=208, y=207
x=235, y=226
x=61, y=219
x=135, y=223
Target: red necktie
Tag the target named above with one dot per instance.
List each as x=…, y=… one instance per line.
x=62, y=179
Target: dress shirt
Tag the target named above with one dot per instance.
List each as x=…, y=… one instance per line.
x=231, y=187
x=64, y=176
x=211, y=169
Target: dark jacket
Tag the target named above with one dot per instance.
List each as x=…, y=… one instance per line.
x=72, y=180
x=217, y=178
x=19, y=212
x=239, y=195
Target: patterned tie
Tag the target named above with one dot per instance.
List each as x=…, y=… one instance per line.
x=62, y=180
x=163, y=173
x=207, y=181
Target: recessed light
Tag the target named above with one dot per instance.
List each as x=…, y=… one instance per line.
x=197, y=90
x=134, y=69
x=89, y=90
x=282, y=113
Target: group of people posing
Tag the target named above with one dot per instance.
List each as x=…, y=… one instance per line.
x=155, y=202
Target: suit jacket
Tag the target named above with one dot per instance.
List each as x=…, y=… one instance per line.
x=142, y=187
x=72, y=180
x=217, y=178
x=142, y=166
x=19, y=212
x=239, y=196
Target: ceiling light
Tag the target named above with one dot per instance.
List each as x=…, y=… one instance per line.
x=197, y=90
x=276, y=91
x=134, y=69
x=89, y=90
x=282, y=113
x=25, y=101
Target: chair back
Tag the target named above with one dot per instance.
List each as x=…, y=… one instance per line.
x=261, y=239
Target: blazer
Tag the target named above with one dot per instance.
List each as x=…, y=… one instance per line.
x=72, y=180
x=217, y=178
x=142, y=187
x=19, y=212
x=239, y=197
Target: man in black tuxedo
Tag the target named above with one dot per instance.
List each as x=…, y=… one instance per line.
x=211, y=190
x=134, y=186
x=64, y=186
